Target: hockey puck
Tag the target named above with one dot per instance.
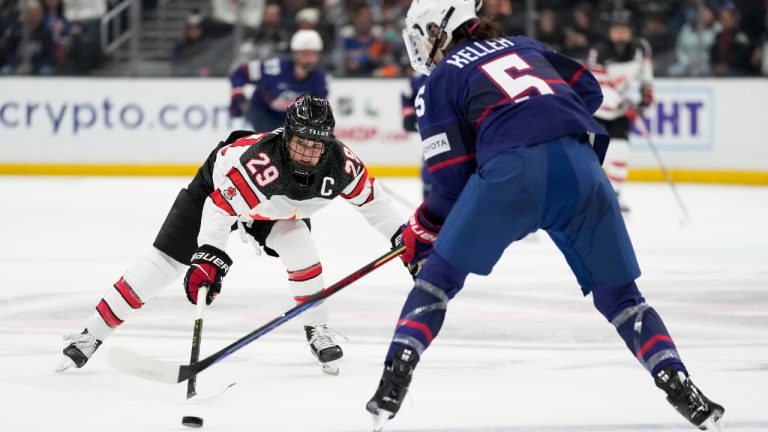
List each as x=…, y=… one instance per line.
x=192, y=421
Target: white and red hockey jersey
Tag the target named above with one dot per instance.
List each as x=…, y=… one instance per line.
x=623, y=76
x=253, y=180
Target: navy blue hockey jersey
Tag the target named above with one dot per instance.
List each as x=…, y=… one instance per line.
x=487, y=96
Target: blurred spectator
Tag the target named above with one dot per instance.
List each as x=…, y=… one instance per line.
x=548, y=30
x=269, y=40
x=278, y=82
x=291, y=9
x=731, y=51
x=580, y=35
x=662, y=42
x=228, y=12
x=197, y=54
x=82, y=50
x=694, y=43
x=361, y=47
x=36, y=57
x=307, y=19
x=502, y=12
x=57, y=24
x=9, y=18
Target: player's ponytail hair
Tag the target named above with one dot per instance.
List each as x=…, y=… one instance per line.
x=480, y=29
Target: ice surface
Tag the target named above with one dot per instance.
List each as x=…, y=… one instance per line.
x=521, y=350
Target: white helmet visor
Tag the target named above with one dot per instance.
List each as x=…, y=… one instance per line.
x=418, y=48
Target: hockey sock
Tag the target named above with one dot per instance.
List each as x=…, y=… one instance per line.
x=145, y=278
x=424, y=310
x=640, y=326
x=616, y=163
x=292, y=241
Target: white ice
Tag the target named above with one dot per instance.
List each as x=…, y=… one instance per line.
x=521, y=350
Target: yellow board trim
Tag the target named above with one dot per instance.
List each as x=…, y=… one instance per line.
x=642, y=175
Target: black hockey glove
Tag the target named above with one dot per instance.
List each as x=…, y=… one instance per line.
x=238, y=106
x=397, y=241
x=208, y=266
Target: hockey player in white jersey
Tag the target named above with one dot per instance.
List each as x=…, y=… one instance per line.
x=267, y=185
x=624, y=69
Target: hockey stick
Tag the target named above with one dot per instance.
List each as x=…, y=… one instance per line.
x=197, y=335
x=647, y=136
x=167, y=372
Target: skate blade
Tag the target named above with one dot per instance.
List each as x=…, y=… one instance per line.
x=380, y=419
x=330, y=368
x=65, y=364
x=714, y=423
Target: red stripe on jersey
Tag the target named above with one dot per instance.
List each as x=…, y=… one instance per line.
x=488, y=111
x=222, y=203
x=305, y=274
x=576, y=76
x=129, y=295
x=654, y=340
x=450, y=162
x=107, y=315
x=418, y=326
x=370, y=196
x=359, y=188
x=239, y=181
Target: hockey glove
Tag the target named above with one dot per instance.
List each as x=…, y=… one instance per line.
x=646, y=96
x=397, y=241
x=209, y=265
x=419, y=235
x=238, y=105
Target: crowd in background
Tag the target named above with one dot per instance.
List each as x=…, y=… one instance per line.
x=362, y=38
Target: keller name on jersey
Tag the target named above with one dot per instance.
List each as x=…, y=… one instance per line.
x=476, y=50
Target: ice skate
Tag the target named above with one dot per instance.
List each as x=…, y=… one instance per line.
x=689, y=401
x=324, y=348
x=81, y=348
x=393, y=386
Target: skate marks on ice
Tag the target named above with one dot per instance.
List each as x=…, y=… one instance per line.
x=738, y=426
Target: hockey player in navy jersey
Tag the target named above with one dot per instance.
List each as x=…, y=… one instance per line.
x=509, y=136
x=267, y=185
x=278, y=82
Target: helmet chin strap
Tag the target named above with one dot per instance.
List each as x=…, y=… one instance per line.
x=436, y=45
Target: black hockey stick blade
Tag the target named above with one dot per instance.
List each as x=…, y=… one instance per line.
x=167, y=372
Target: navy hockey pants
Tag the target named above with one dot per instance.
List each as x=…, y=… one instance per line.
x=558, y=186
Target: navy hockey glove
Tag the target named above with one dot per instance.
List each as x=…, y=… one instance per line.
x=208, y=266
x=238, y=105
x=397, y=241
x=419, y=235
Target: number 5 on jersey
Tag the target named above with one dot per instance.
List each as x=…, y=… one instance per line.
x=516, y=88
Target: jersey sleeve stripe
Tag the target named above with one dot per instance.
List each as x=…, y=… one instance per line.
x=248, y=194
x=449, y=162
x=370, y=196
x=128, y=294
x=107, y=315
x=576, y=76
x=222, y=203
x=360, y=185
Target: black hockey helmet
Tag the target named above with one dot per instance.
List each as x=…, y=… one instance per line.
x=310, y=123
x=621, y=17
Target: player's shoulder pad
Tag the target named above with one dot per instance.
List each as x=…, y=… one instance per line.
x=236, y=135
x=643, y=45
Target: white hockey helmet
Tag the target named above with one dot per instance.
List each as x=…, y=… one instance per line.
x=306, y=40
x=426, y=22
